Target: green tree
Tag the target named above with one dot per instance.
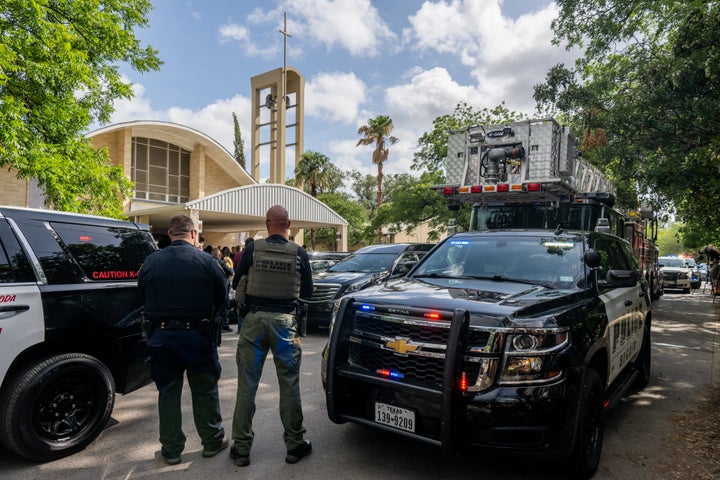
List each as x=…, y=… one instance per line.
x=312, y=169
x=356, y=216
x=669, y=240
x=238, y=143
x=411, y=202
x=645, y=96
x=59, y=73
x=377, y=132
x=364, y=187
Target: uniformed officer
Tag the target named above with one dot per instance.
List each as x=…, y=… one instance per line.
x=277, y=272
x=180, y=286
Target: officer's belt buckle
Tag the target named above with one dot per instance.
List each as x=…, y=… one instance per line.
x=174, y=325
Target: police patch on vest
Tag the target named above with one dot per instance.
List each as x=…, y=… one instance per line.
x=274, y=265
x=274, y=271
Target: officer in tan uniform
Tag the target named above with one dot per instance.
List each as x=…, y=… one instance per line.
x=273, y=273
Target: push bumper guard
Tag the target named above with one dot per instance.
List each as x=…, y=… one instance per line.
x=452, y=409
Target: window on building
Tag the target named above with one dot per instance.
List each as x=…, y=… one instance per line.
x=160, y=170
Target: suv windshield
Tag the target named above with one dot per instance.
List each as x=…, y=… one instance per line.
x=552, y=261
x=673, y=262
x=365, y=263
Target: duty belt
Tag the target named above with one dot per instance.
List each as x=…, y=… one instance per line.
x=176, y=324
x=266, y=308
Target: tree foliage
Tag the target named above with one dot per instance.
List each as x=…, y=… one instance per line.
x=364, y=188
x=649, y=82
x=411, y=202
x=351, y=211
x=238, y=144
x=315, y=171
x=59, y=72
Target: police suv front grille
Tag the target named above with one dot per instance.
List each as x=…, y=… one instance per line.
x=325, y=292
x=414, y=346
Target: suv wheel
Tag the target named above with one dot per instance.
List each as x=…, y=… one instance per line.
x=590, y=427
x=56, y=406
x=643, y=362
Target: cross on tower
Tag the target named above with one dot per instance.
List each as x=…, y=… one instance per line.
x=284, y=70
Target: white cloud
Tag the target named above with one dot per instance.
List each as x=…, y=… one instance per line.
x=354, y=25
x=506, y=57
x=214, y=120
x=335, y=96
x=137, y=108
x=428, y=94
x=351, y=24
x=233, y=31
x=347, y=156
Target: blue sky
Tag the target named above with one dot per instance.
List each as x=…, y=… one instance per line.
x=411, y=60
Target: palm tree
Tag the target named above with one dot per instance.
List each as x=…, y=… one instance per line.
x=377, y=131
x=313, y=169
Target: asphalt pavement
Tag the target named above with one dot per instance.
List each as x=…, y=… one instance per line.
x=686, y=358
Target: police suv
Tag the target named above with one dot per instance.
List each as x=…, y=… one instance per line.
x=70, y=335
x=514, y=340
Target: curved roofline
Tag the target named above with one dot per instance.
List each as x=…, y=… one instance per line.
x=185, y=137
x=265, y=196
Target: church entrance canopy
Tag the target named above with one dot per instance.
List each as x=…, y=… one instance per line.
x=243, y=209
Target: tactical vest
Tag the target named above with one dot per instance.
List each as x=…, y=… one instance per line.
x=274, y=273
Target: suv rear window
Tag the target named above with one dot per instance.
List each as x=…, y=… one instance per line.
x=105, y=253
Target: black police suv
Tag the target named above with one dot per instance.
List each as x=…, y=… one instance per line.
x=70, y=326
x=513, y=340
x=366, y=267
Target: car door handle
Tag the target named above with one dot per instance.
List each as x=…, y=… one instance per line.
x=9, y=311
x=628, y=303
x=14, y=308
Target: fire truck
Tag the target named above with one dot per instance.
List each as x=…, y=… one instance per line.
x=530, y=174
x=516, y=336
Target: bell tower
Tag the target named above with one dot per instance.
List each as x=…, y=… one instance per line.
x=278, y=119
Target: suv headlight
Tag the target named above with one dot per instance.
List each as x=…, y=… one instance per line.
x=358, y=286
x=530, y=355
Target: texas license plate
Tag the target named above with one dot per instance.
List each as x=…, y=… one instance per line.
x=396, y=417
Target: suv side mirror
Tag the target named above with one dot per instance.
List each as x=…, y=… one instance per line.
x=592, y=258
x=621, y=278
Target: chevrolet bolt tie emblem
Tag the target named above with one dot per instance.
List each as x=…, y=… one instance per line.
x=401, y=345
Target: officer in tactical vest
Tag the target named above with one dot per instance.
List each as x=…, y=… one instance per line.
x=180, y=286
x=273, y=273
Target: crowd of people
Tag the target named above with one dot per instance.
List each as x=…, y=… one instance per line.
x=182, y=288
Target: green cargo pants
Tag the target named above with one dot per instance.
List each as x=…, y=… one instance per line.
x=262, y=331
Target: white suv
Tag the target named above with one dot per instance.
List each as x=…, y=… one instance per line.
x=675, y=273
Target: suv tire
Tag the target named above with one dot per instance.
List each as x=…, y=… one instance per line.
x=590, y=427
x=56, y=406
x=643, y=362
